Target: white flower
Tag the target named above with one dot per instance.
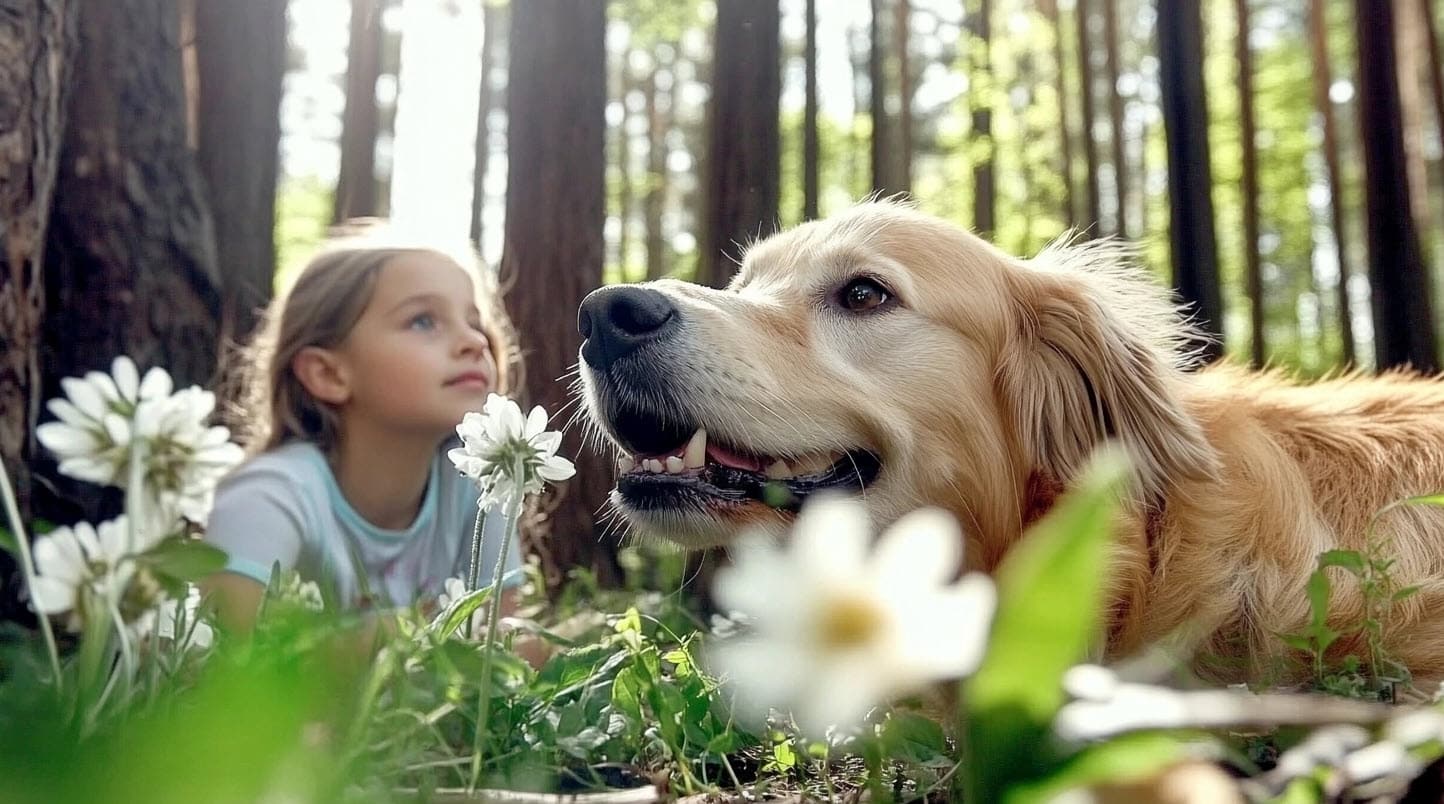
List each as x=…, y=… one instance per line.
x=498, y=441
x=71, y=559
x=840, y=628
x=104, y=417
x=455, y=589
x=175, y=616
x=305, y=594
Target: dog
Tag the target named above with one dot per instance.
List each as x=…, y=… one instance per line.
x=892, y=354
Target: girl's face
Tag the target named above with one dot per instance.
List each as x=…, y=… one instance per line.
x=417, y=359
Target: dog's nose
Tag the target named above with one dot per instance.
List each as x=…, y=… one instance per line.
x=618, y=319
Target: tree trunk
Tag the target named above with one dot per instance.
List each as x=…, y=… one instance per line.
x=1436, y=78
x=810, y=147
x=984, y=192
x=1115, y=115
x=1065, y=127
x=37, y=49
x=1085, y=80
x=1319, y=44
x=658, y=124
x=1410, y=46
x=490, y=22
x=552, y=257
x=1253, y=273
x=904, y=158
x=360, y=121
x=877, y=102
x=130, y=261
x=625, y=192
x=743, y=137
x=1190, y=178
x=1399, y=298
x=241, y=58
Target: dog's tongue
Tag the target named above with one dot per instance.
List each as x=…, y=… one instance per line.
x=726, y=457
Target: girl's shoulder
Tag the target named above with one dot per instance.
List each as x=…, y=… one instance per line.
x=299, y=466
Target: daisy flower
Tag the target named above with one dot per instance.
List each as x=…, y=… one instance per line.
x=81, y=563
x=839, y=626
x=498, y=441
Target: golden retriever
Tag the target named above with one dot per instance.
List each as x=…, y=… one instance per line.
x=890, y=352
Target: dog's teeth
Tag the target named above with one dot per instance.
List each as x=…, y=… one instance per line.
x=696, y=453
x=674, y=465
x=812, y=465
x=625, y=464
x=652, y=465
x=778, y=470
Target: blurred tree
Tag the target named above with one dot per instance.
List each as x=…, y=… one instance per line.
x=1112, y=69
x=1065, y=128
x=130, y=262
x=1322, y=81
x=1082, y=12
x=1253, y=274
x=627, y=86
x=553, y=250
x=981, y=97
x=1399, y=284
x=492, y=17
x=877, y=102
x=743, y=142
x=360, y=120
x=1190, y=178
x=903, y=158
x=241, y=57
x=658, y=123
x=810, y=152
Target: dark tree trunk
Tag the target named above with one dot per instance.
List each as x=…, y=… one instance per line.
x=625, y=193
x=658, y=124
x=1253, y=272
x=904, y=159
x=37, y=49
x=810, y=147
x=1065, y=127
x=241, y=58
x=552, y=257
x=1319, y=44
x=130, y=260
x=360, y=120
x=877, y=103
x=1115, y=115
x=1085, y=93
x=984, y=192
x=1190, y=178
x=490, y=22
x=742, y=148
x=1400, y=300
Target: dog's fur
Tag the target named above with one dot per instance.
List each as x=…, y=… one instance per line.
x=988, y=385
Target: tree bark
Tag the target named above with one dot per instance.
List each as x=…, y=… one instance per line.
x=241, y=59
x=1399, y=285
x=553, y=251
x=1253, y=272
x=37, y=51
x=1116, y=115
x=1085, y=93
x=1065, y=127
x=904, y=158
x=490, y=22
x=130, y=259
x=743, y=138
x=1190, y=178
x=877, y=103
x=360, y=120
x=984, y=191
x=658, y=123
x=1436, y=77
x=810, y=146
x=1323, y=79
x=625, y=193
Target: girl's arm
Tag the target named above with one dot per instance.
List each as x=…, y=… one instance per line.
x=237, y=600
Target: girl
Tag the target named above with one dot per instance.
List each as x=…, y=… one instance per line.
x=354, y=386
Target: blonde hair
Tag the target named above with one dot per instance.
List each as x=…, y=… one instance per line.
x=319, y=309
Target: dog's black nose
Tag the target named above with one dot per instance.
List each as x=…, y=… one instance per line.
x=618, y=319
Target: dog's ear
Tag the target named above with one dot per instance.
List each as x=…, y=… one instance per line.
x=1097, y=354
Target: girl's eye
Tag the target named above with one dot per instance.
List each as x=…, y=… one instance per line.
x=422, y=321
x=862, y=295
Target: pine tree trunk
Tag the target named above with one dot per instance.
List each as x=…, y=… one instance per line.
x=877, y=103
x=130, y=258
x=743, y=137
x=1319, y=45
x=1065, y=127
x=810, y=146
x=553, y=253
x=1436, y=77
x=984, y=191
x=1411, y=47
x=904, y=158
x=658, y=123
x=490, y=23
x=625, y=193
x=1253, y=272
x=241, y=58
x=1399, y=285
x=1083, y=14
x=1193, y=243
x=360, y=120
x=1115, y=115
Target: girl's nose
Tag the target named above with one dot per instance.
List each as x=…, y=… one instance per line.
x=472, y=342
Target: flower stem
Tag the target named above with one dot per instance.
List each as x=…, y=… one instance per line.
x=473, y=570
x=27, y=566
x=484, y=706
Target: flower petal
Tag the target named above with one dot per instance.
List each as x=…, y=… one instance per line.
x=68, y=413
x=536, y=422
x=156, y=385
x=831, y=538
x=52, y=596
x=104, y=385
x=89, y=469
x=948, y=637
x=840, y=693
x=117, y=427
x=923, y=548
x=127, y=379
x=556, y=469
x=546, y=443
x=65, y=440
x=85, y=397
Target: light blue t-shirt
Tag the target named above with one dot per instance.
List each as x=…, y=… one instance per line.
x=285, y=506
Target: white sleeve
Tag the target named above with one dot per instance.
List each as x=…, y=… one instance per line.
x=257, y=520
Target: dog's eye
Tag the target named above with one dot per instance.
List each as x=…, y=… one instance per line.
x=861, y=295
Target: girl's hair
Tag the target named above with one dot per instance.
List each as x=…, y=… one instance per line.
x=319, y=309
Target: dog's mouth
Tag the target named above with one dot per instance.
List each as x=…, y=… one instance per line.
x=702, y=473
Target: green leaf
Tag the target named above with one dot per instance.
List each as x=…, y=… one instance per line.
x=628, y=690
x=910, y=737
x=458, y=612
x=1318, y=594
x=1050, y=599
x=1406, y=592
x=7, y=541
x=184, y=559
x=1351, y=560
x=1122, y=759
x=783, y=755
